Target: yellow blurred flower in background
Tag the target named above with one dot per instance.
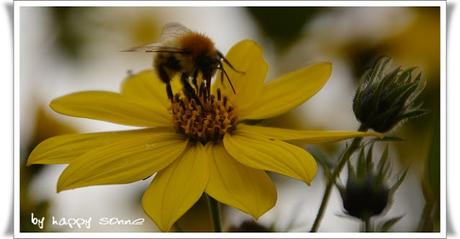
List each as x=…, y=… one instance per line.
x=193, y=148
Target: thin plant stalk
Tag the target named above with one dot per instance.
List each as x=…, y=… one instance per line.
x=214, y=211
x=330, y=184
x=367, y=227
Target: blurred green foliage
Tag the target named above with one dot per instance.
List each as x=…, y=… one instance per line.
x=45, y=126
x=196, y=219
x=70, y=29
x=283, y=25
x=430, y=182
x=28, y=203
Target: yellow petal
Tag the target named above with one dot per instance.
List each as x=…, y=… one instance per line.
x=64, y=149
x=175, y=189
x=111, y=107
x=245, y=56
x=288, y=92
x=125, y=161
x=305, y=136
x=234, y=184
x=258, y=152
x=145, y=86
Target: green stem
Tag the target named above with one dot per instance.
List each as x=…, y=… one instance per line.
x=327, y=193
x=214, y=210
x=178, y=227
x=367, y=225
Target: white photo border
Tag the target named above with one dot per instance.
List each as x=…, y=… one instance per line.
x=16, y=115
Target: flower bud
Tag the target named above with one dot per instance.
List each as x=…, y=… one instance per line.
x=387, y=96
x=366, y=192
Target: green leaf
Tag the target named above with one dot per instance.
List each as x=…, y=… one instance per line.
x=351, y=172
x=382, y=166
x=361, y=168
x=399, y=182
x=414, y=114
x=389, y=223
x=369, y=162
x=388, y=138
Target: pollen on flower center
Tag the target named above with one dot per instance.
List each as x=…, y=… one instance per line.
x=203, y=118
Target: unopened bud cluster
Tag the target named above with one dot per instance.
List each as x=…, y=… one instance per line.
x=366, y=193
x=387, y=96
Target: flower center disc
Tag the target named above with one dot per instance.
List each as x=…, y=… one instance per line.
x=207, y=120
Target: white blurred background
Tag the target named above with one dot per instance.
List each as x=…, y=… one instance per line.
x=63, y=50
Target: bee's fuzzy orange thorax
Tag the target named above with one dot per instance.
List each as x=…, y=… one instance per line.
x=197, y=44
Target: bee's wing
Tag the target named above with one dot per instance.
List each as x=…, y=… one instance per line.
x=172, y=31
x=154, y=47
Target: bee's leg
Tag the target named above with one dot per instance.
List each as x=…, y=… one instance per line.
x=169, y=91
x=188, y=89
x=164, y=76
x=195, y=79
x=207, y=76
x=201, y=88
x=208, y=85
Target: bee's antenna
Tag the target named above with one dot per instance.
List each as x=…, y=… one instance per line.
x=222, y=57
x=228, y=79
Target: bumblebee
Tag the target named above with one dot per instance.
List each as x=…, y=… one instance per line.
x=187, y=53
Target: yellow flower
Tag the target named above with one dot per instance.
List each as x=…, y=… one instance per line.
x=193, y=148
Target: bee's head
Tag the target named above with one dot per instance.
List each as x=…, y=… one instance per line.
x=220, y=60
x=208, y=64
